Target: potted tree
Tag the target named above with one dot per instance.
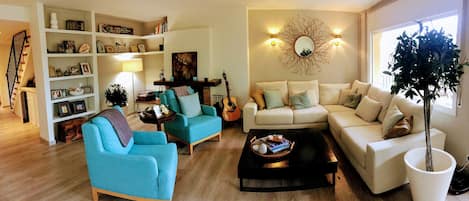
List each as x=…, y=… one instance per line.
x=425, y=65
x=116, y=95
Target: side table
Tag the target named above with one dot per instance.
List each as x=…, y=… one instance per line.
x=150, y=118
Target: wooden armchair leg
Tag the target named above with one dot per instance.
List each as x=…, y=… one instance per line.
x=219, y=136
x=191, y=149
x=94, y=194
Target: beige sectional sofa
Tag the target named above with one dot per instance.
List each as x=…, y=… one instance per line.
x=378, y=161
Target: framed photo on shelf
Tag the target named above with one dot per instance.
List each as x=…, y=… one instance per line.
x=52, y=71
x=63, y=109
x=85, y=68
x=157, y=110
x=58, y=93
x=78, y=106
x=87, y=89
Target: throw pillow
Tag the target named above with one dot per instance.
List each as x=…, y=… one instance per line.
x=273, y=99
x=258, y=96
x=391, y=118
x=402, y=127
x=360, y=87
x=300, y=101
x=368, y=109
x=352, y=100
x=343, y=95
x=190, y=105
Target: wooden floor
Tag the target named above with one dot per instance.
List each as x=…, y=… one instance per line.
x=31, y=170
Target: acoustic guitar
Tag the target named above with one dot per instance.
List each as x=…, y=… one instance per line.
x=231, y=111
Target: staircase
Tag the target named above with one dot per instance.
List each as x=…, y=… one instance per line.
x=19, y=55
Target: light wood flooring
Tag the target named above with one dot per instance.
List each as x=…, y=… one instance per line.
x=31, y=170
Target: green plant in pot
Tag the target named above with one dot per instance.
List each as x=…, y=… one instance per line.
x=425, y=65
x=116, y=95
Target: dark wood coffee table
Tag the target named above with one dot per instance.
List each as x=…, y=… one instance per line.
x=310, y=161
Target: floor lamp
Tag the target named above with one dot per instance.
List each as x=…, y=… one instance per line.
x=133, y=65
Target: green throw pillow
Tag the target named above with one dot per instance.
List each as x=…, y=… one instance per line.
x=352, y=100
x=273, y=99
x=190, y=105
x=300, y=101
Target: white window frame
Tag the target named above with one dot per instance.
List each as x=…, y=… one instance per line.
x=456, y=102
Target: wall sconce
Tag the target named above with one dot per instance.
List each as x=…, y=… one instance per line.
x=337, y=40
x=274, y=40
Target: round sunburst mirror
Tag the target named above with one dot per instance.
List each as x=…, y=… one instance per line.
x=304, y=46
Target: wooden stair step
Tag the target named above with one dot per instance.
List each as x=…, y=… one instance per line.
x=27, y=45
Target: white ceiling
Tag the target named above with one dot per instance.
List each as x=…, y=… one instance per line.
x=148, y=10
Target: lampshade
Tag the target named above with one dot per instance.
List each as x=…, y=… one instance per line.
x=133, y=65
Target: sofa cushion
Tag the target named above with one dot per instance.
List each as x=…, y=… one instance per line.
x=275, y=85
x=392, y=117
x=356, y=139
x=258, y=96
x=340, y=120
x=353, y=100
x=401, y=128
x=337, y=108
x=344, y=93
x=310, y=115
x=329, y=93
x=409, y=108
x=384, y=97
x=360, y=87
x=190, y=105
x=368, y=109
x=311, y=87
x=300, y=101
x=283, y=115
x=273, y=99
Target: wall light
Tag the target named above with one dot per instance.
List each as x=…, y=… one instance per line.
x=337, y=39
x=274, y=39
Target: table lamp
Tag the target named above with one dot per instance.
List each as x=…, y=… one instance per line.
x=133, y=65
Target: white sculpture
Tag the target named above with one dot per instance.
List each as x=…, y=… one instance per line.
x=53, y=21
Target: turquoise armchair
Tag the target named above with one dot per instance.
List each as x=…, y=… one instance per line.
x=145, y=168
x=195, y=130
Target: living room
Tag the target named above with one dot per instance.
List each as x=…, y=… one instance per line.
x=233, y=38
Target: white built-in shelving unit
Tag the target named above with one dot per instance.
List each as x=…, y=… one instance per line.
x=64, y=61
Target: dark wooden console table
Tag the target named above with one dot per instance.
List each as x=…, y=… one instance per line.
x=203, y=87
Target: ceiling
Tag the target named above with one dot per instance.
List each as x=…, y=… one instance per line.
x=148, y=10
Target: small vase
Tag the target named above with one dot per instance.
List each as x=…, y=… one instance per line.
x=53, y=21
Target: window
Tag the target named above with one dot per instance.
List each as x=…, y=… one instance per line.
x=384, y=43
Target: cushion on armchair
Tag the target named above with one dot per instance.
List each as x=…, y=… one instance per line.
x=190, y=105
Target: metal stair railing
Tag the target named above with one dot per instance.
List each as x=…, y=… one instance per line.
x=16, y=53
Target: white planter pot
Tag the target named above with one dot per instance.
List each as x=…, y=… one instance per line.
x=429, y=186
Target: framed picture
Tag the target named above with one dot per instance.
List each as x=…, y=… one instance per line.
x=63, y=109
x=85, y=68
x=78, y=106
x=109, y=48
x=184, y=65
x=75, y=25
x=157, y=110
x=75, y=70
x=100, y=47
x=58, y=93
x=141, y=47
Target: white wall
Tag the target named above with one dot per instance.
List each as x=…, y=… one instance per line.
x=228, y=37
x=408, y=11
x=4, y=54
x=15, y=13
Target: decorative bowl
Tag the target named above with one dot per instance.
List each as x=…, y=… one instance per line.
x=76, y=91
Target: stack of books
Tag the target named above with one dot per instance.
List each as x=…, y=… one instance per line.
x=275, y=147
